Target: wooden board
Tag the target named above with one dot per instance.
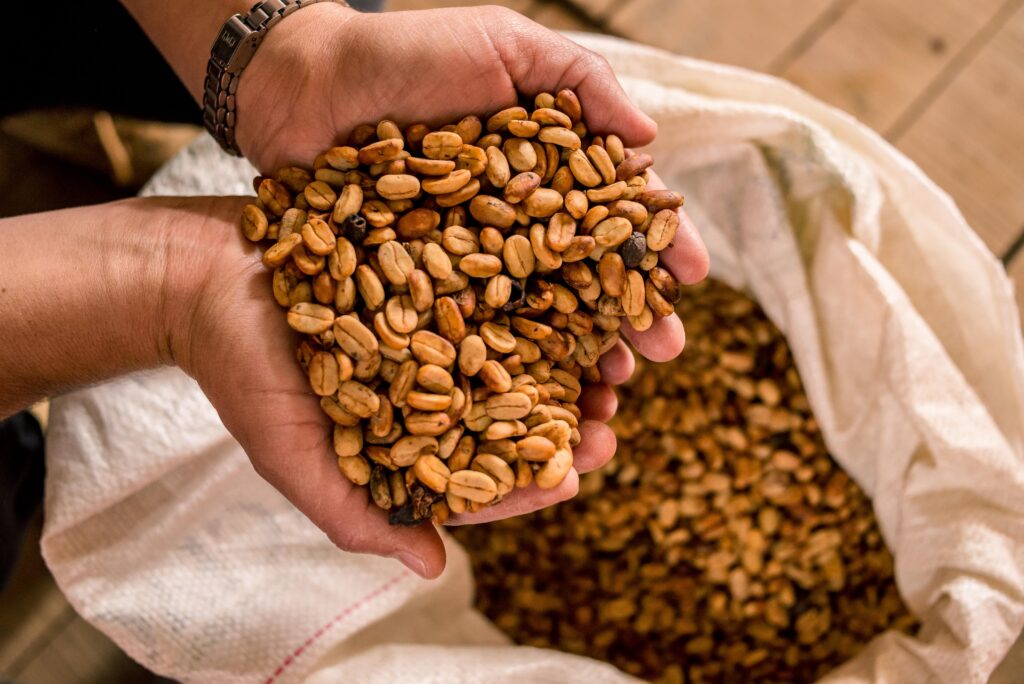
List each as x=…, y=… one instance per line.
x=749, y=34
x=556, y=17
x=396, y=5
x=879, y=56
x=971, y=139
x=81, y=654
x=599, y=9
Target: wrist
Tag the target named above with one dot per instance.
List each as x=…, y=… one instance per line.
x=200, y=245
x=290, y=74
x=90, y=293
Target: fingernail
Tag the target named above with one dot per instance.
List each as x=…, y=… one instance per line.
x=411, y=561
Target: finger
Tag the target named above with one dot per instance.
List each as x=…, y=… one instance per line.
x=540, y=60
x=686, y=257
x=598, y=402
x=663, y=341
x=617, y=365
x=595, y=449
x=522, y=501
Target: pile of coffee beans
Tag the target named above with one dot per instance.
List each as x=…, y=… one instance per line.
x=454, y=288
x=722, y=544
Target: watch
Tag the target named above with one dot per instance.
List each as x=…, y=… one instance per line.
x=231, y=53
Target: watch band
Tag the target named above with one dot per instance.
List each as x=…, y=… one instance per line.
x=231, y=53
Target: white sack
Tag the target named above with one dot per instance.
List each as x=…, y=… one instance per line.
x=902, y=324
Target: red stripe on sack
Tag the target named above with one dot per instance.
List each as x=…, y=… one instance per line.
x=288, y=661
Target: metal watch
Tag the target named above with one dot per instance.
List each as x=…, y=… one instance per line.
x=234, y=47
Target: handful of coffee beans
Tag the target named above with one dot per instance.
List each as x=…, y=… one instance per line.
x=454, y=288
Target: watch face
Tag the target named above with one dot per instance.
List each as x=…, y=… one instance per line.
x=230, y=36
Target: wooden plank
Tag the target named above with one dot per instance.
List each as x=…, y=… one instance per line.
x=82, y=655
x=598, y=9
x=741, y=32
x=396, y=5
x=31, y=606
x=971, y=139
x=879, y=56
x=556, y=17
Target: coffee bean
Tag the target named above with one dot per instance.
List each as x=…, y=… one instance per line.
x=441, y=145
x=318, y=237
x=281, y=251
x=495, y=376
x=395, y=262
x=323, y=374
x=499, y=121
x=521, y=186
x=254, y=223
x=508, y=406
x=417, y=223
x=554, y=470
x=472, y=485
x=320, y=195
x=355, y=338
x=542, y=203
x=611, y=271
x=472, y=159
x=430, y=167
x=429, y=347
x=355, y=228
x=355, y=468
x=492, y=211
x=607, y=193
x=598, y=156
x=562, y=137
x=523, y=129
x=497, y=337
x=358, y=398
x=630, y=167
x=543, y=255
x=583, y=170
x=274, y=197
x=634, y=249
x=449, y=183
x=548, y=116
x=494, y=467
x=450, y=323
x=516, y=297
x=498, y=172
x=480, y=265
x=498, y=291
x=561, y=230
x=311, y=319
x=381, y=151
x=663, y=229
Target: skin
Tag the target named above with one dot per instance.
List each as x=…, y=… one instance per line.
x=92, y=293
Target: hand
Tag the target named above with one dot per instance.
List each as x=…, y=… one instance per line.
x=326, y=69
x=312, y=82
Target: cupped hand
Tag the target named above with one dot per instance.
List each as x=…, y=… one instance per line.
x=334, y=71
x=326, y=69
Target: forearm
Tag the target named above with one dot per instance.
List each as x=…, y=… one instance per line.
x=183, y=31
x=90, y=293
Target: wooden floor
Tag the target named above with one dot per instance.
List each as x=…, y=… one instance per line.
x=943, y=80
